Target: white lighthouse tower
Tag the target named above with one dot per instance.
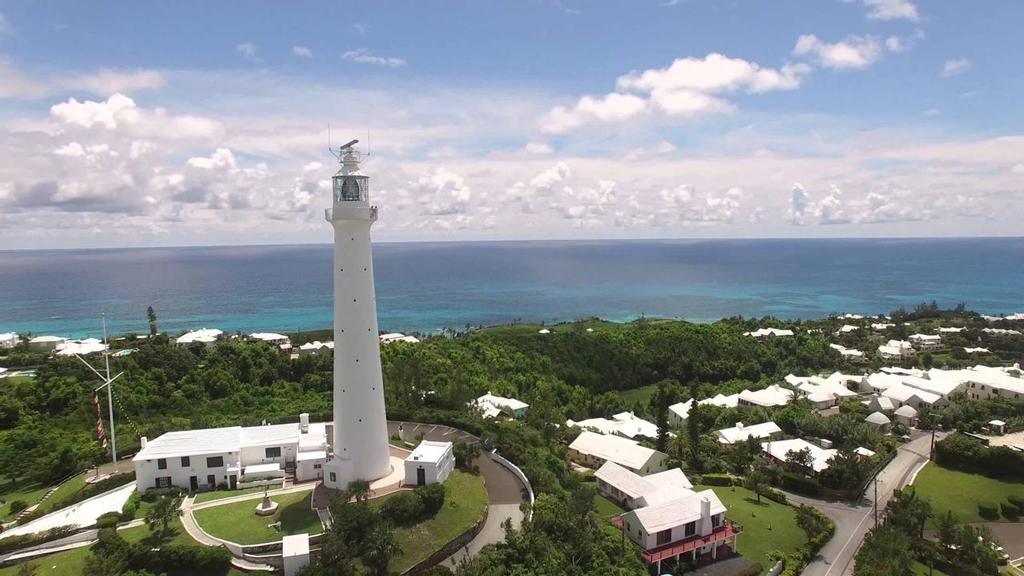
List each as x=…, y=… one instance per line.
x=360, y=440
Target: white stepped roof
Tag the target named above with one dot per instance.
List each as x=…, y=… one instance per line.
x=779, y=449
x=742, y=432
x=676, y=512
x=615, y=448
x=877, y=418
x=773, y=395
x=204, y=336
x=429, y=451
x=682, y=409
x=267, y=336
x=907, y=411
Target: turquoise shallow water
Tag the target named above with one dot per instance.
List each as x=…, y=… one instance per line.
x=426, y=286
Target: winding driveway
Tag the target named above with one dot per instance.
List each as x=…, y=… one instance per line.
x=854, y=519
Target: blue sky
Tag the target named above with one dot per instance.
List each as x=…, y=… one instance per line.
x=205, y=123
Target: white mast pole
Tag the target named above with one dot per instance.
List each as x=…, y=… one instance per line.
x=110, y=397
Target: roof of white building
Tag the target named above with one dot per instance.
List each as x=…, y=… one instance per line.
x=615, y=448
x=847, y=328
x=500, y=402
x=877, y=418
x=742, y=432
x=267, y=336
x=730, y=401
x=429, y=451
x=1004, y=331
x=764, y=332
x=862, y=451
x=676, y=512
x=652, y=487
x=951, y=329
x=631, y=425
x=231, y=439
x=8, y=336
x=311, y=455
x=397, y=337
x=602, y=425
x=779, y=449
x=902, y=393
x=884, y=403
x=46, y=339
x=295, y=545
x=773, y=395
x=843, y=350
x=204, y=336
x=881, y=325
x=80, y=347
x=682, y=409
x=978, y=350
x=907, y=411
x=925, y=337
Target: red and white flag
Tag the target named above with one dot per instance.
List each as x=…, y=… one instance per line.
x=100, y=435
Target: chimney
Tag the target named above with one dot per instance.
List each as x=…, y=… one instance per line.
x=142, y=442
x=739, y=425
x=304, y=423
x=705, y=516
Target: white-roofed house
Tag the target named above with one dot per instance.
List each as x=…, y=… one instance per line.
x=902, y=394
x=896, y=350
x=624, y=424
x=9, y=339
x=882, y=404
x=80, y=347
x=780, y=451
x=951, y=329
x=766, y=333
x=204, y=459
x=46, y=343
x=398, y=337
x=430, y=463
x=880, y=421
x=997, y=427
x=679, y=412
x=593, y=450
x=689, y=526
x=977, y=350
x=315, y=348
x=294, y=553
x=773, y=395
x=205, y=336
x=741, y=432
x=906, y=415
x=730, y=401
x=3, y=373
x=488, y=403
x=279, y=341
x=847, y=328
x=925, y=341
x=634, y=491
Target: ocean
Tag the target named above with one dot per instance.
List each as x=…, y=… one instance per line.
x=422, y=287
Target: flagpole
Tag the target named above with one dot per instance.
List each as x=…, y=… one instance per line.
x=110, y=397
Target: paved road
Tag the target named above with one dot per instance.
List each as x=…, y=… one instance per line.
x=504, y=491
x=853, y=520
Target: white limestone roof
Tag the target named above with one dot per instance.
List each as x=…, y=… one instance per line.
x=267, y=336
x=615, y=448
x=742, y=432
x=80, y=347
x=847, y=328
x=295, y=545
x=997, y=422
x=631, y=425
x=999, y=331
x=203, y=335
x=311, y=455
x=882, y=381
x=625, y=480
x=925, y=337
x=730, y=401
x=676, y=512
x=543, y=331
x=682, y=409
x=273, y=435
x=773, y=395
x=881, y=325
x=940, y=382
x=762, y=332
x=397, y=337
x=429, y=451
x=877, y=418
x=902, y=371
x=884, y=403
x=902, y=393
x=262, y=468
x=862, y=451
x=192, y=442
x=978, y=350
x=951, y=329
x=671, y=478
x=46, y=339
x=8, y=336
x=906, y=411
x=510, y=404
x=779, y=449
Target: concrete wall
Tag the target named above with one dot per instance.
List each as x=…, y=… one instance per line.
x=258, y=454
x=309, y=469
x=434, y=471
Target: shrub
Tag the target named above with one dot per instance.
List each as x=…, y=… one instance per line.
x=90, y=490
x=1010, y=512
x=775, y=496
x=30, y=516
x=403, y=508
x=1017, y=501
x=154, y=494
x=988, y=511
x=18, y=506
x=108, y=520
x=754, y=569
x=431, y=498
x=800, y=484
x=717, y=479
x=131, y=506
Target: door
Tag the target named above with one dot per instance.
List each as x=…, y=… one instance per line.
x=193, y=483
x=233, y=481
x=421, y=476
x=211, y=480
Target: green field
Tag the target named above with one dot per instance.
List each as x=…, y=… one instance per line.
x=606, y=508
x=465, y=501
x=219, y=494
x=175, y=535
x=238, y=522
x=27, y=493
x=66, y=489
x=638, y=395
x=961, y=492
x=766, y=526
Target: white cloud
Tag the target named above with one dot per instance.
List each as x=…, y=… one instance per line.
x=855, y=52
x=5, y=25
x=15, y=84
x=892, y=10
x=121, y=112
x=798, y=203
x=248, y=51
x=830, y=209
x=302, y=52
x=106, y=82
x=364, y=56
x=1017, y=169
x=688, y=88
x=361, y=28
x=538, y=148
x=933, y=112
x=955, y=66
x=442, y=193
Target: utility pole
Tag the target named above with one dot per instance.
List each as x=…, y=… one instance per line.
x=107, y=382
x=876, y=501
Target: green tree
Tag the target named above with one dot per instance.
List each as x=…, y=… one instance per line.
x=382, y=548
x=947, y=525
x=908, y=513
x=27, y=569
x=162, y=513
x=359, y=490
x=810, y=521
x=756, y=480
x=886, y=552
x=151, y=315
x=693, y=428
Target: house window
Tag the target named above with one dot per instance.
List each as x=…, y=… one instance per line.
x=664, y=537
x=690, y=529
x=161, y=464
x=716, y=520
x=317, y=466
x=215, y=462
x=334, y=477
x=185, y=462
x=274, y=452
x=163, y=482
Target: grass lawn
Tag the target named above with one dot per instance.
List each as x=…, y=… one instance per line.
x=238, y=522
x=176, y=534
x=606, y=508
x=638, y=395
x=218, y=494
x=465, y=500
x=766, y=526
x=27, y=493
x=961, y=492
x=66, y=489
x=70, y=563
x=922, y=570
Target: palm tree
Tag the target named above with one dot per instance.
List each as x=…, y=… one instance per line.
x=160, y=516
x=359, y=490
x=381, y=548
